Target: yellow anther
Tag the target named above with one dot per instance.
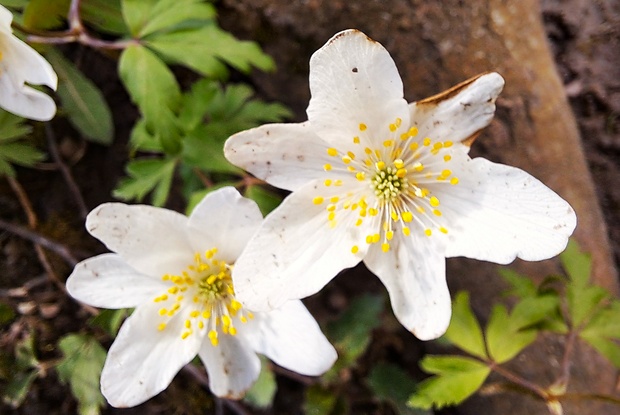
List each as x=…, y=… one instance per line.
x=373, y=212
x=399, y=164
x=211, y=279
x=393, y=127
x=369, y=239
x=454, y=181
x=375, y=238
x=407, y=216
x=332, y=152
x=327, y=167
x=243, y=319
x=173, y=290
x=443, y=230
x=338, y=183
x=206, y=314
x=401, y=173
x=406, y=231
x=385, y=247
x=363, y=127
x=236, y=305
x=413, y=146
x=446, y=173
x=334, y=199
x=447, y=157
x=354, y=249
x=213, y=337
x=367, y=150
x=388, y=143
x=398, y=121
x=165, y=277
x=356, y=140
x=232, y=331
x=404, y=136
x=394, y=215
x=163, y=311
x=331, y=216
x=361, y=176
x=380, y=165
x=185, y=335
x=437, y=146
x=351, y=155
x=389, y=235
x=426, y=141
x=359, y=222
x=436, y=212
x=188, y=324
x=413, y=131
x=226, y=321
x=447, y=144
x=351, y=168
x=161, y=326
x=327, y=182
x=346, y=159
x=418, y=166
x=428, y=232
x=331, y=207
x=201, y=324
x=194, y=313
x=318, y=200
x=434, y=201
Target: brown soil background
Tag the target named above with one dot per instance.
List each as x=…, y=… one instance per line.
x=575, y=152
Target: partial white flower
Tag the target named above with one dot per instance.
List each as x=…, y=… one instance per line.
x=390, y=183
x=20, y=64
x=176, y=272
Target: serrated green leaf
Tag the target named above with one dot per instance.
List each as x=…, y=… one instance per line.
x=136, y=14
x=456, y=379
x=81, y=368
x=109, y=320
x=25, y=353
x=17, y=153
x=141, y=139
x=464, y=330
x=261, y=394
x=203, y=148
x=146, y=176
x=104, y=15
x=169, y=13
x=351, y=332
x=155, y=90
x=522, y=286
x=206, y=49
x=265, y=199
x=603, y=332
x=82, y=101
x=319, y=401
x=583, y=301
x=391, y=384
x=16, y=391
x=577, y=264
x=197, y=102
x=12, y=127
x=46, y=14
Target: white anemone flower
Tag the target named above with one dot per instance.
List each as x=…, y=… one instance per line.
x=19, y=63
x=378, y=180
x=176, y=271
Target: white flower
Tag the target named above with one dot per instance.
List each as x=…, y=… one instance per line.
x=176, y=272
x=19, y=63
x=390, y=183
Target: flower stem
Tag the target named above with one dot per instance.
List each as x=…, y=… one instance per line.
x=518, y=380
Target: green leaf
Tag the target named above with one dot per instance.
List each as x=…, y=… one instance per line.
x=508, y=334
x=12, y=129
x=82, y=101
x=145, y=17
x=204, y=149
x=265, y=199
x=456, y=379
x=109, y=320
x=391, y=384
x=603, y=332
x=46, y=14
x=351, y=332
x=464, y=330
x=16, y=391
x=104, y=15
x=522, y=286
x=154, y=89
x=141, y=139
x=261, y=394
x=81, y=368
x=208, y=48
x=25, y=353
x=319, y=401
x=146, y=176
x=576, y=264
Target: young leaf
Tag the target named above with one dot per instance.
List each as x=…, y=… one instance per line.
x=522, y=286
x=154, y=89
x=508, y=334
x=464, y=330
x=456, y=378
x=82, y=101
x=145, y=176
x=81, y=368
x=207, y=49
x=391, y=384
x=261, y=394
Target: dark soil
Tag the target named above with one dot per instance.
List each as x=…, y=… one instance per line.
x=585, y=41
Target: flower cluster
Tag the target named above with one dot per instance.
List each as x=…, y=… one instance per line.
x=373, y=179
x=20, y=64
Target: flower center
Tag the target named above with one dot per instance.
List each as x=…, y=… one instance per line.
x=403, y=173
x=204, y=294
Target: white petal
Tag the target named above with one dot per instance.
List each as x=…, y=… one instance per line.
x=295, y=252
x=284, y=155
x=107, y=281
x=291, y=337
x=151, y=240
x=6, y=17
x=224, y=220
x=23, y=100
x=143, y=360
x=232, y=366
x=353, y=80
x=26, y=64
x=414, y=273
x=459, y=113
x=499, y=212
